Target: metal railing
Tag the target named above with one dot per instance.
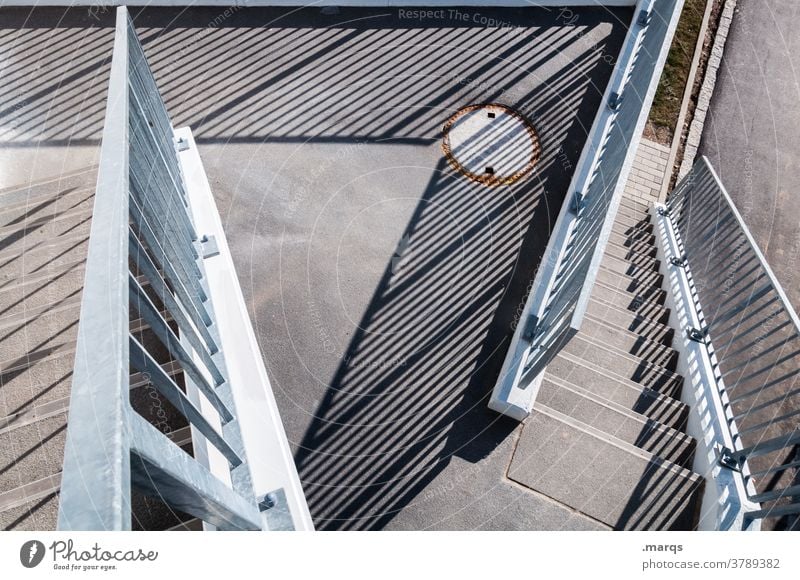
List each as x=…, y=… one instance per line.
x=145, y=261
x=560, y=293
x=752, y=334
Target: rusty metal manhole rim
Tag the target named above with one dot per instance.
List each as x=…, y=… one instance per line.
x=490, y=178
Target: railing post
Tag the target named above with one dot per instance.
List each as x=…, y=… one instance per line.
x=560, y=292
x=96, y=481
x=748, y=334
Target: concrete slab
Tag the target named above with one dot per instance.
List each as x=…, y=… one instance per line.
x=604, y=478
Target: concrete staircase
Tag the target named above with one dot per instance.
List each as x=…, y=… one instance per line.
x=44, y=232
x=606, y=435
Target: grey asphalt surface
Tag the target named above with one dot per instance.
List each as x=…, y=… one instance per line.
x=752, y=133
x=382, y=284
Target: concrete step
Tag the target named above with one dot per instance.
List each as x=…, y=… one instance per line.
x=639, y=241
x=32, y=452
x=633, y=396
x=630, y=267
x=649, y=310
x=617, y=421
x=626, y=366
x=638, y=276
x=623, y=253
x=658, y=333
x=627, y=283
x=626, y=320
x=644, y=270
x=41, y=289
x=35, y=259
x=630, y=343
x=626, y=300
x=602, y=476
x=635, y=230
x=638, y=244
x=31, y=211
x=632, y=219
x=631, y=205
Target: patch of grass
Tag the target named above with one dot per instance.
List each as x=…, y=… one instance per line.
x=667, y=102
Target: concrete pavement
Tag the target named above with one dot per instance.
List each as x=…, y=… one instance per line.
x=752, y=132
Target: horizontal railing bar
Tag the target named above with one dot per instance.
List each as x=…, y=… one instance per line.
x=764, y=352
x=157, y=166
x=141, y=80
x=148, y=268
x=741, y=305
x=175, y=178
x=172, y=209
x=171, y=368
x=138, y=325
x=175, y=278
x=176, y=251
x=765, y=424
x=776, y=494
x=735, y=327
x=180, y=291
x=764, y=387
x=774, y=512
x=748, y=346
x=174, y=309
x=162, y=469
x=141, y=302
x=143, y=362
x=152, y=232
x=769, y=367
x=767, y=447
x=776, y=468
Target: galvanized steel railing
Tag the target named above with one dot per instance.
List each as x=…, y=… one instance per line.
x=752, y=334
x=145, y=261
x=560, y=293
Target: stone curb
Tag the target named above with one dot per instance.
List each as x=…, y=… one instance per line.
x=707, y=89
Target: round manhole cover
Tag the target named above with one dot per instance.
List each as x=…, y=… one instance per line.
x=492, y=144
